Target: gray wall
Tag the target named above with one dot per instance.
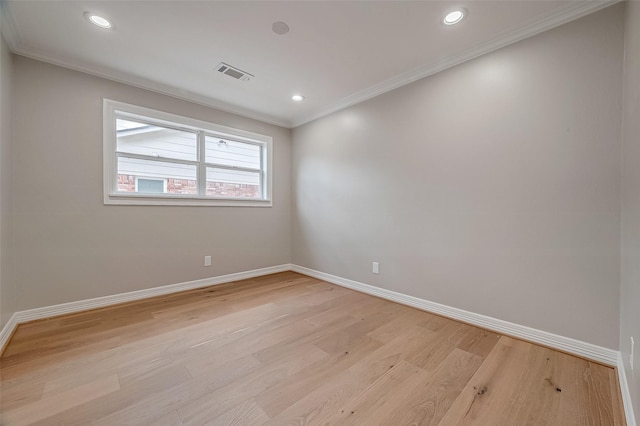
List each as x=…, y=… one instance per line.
x=492, y=187
x=68, y=246
x=630, y=288
x=7, y=289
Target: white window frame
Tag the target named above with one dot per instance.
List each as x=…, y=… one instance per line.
x=113, y=108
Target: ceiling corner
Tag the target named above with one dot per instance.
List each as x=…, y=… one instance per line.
x=575, y=10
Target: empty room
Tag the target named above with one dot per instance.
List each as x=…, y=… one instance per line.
x=320, y=212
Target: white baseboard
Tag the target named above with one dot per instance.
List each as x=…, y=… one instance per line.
x=626, y=394
x=100, y=302
x=565, y=344
x=577, y=347
x=586, y=350
x=7, y=331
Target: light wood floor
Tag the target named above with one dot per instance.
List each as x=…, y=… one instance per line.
x=289, y=349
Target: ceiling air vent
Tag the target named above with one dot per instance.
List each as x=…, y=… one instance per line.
x=233, y=72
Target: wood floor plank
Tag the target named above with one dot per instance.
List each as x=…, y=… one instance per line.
x=616, y=398
x=397, y=325
x=290, y=349
x=16, y=395
x=385, y=395
x=477, y=341
x=336, y=308
x=588, y=385
x=274, y=352
x=284, y=394
x=320, y=404
x=135, y=354
x=127, y=395
x=338, y=341
x=531, y=385
x=432, y=398
x=498, y=373
x=33, y=412
x=438, y=346
x=247, y=413
x=167, y=419
x=239, y=391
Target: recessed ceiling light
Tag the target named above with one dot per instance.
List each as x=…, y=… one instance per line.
x=97, y=20
x=453, y=17
x=297, y=98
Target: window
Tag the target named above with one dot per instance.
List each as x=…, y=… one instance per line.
x=156, y=158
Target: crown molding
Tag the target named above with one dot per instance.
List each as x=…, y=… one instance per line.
x=11, y=33
x=151, y=85
x=575, y=10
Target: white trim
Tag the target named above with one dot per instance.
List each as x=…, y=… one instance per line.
x=15, y=42
x=153, y=86
x=574, y=10
x=132, y=199
x=100, y=302
x=7, y=331
x=176, y=121
x=626, y=394
x=566, y=344
x=111, y=109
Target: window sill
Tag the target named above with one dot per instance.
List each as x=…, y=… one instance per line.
x=181, y=200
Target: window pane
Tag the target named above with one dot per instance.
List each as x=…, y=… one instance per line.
x=232, y=153
x=155, y=141
x=153, y=186
x=180, y=178
x=233, y=183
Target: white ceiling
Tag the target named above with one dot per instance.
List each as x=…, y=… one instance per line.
x=337, y=53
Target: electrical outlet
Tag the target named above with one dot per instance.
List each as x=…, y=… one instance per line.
x=207, y=261
x=631, y=354
x=375, y=268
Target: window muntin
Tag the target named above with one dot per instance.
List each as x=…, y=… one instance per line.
x=198, y=163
